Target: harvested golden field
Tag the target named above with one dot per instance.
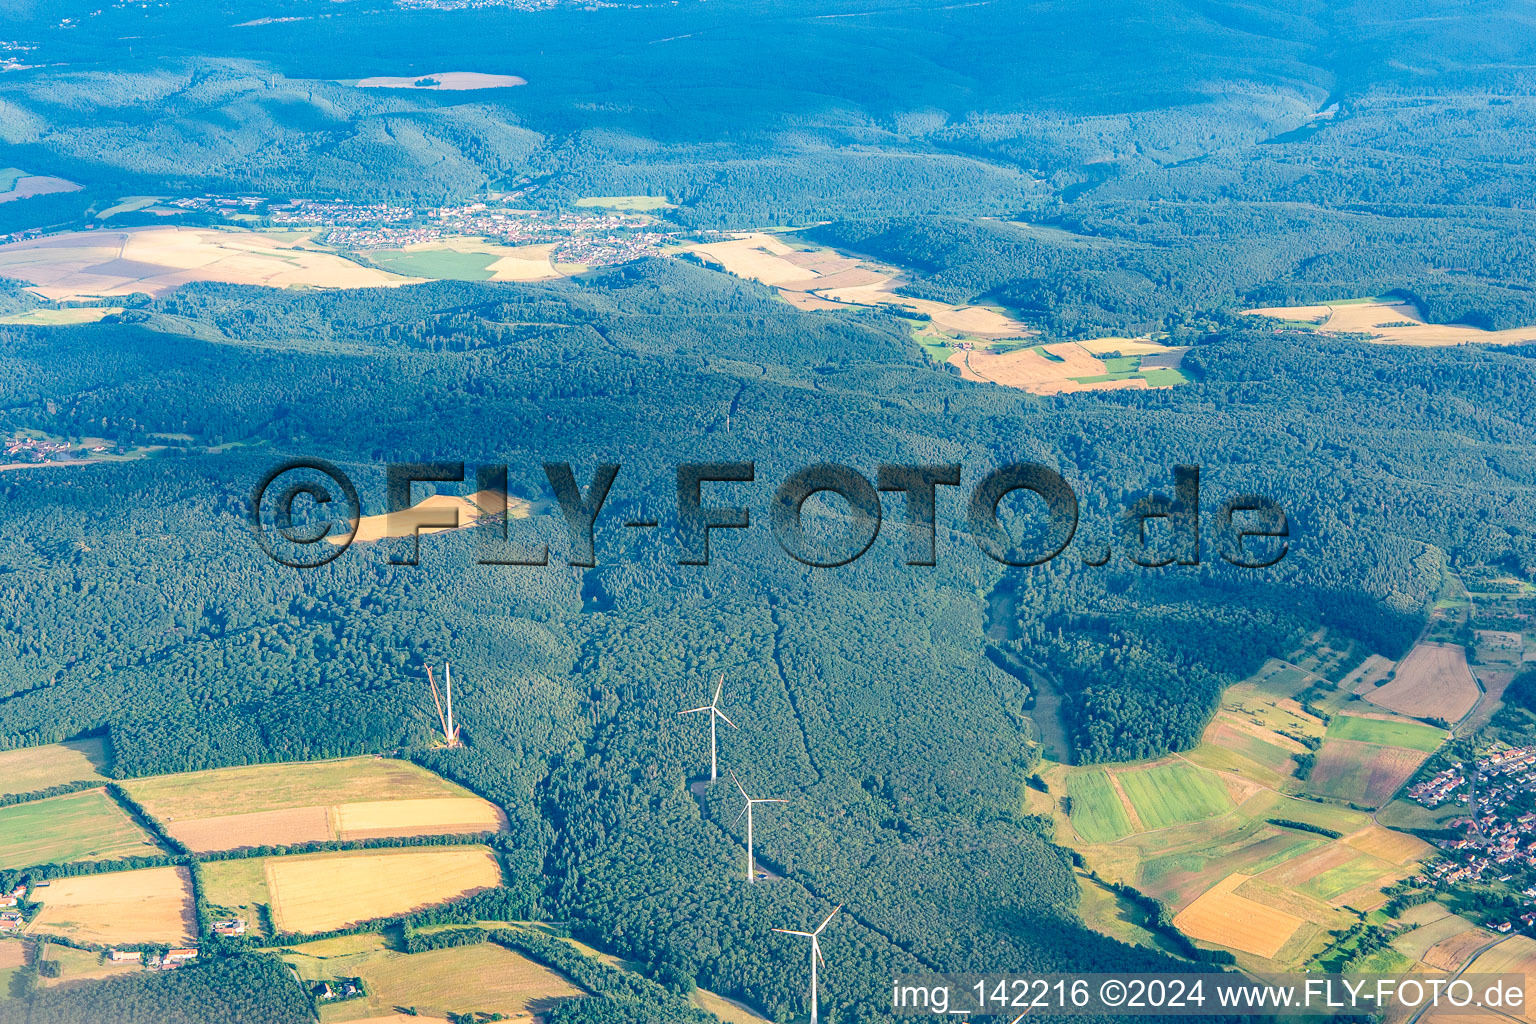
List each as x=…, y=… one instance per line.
x=1391, y=323
x=1515, y=955
x=1433, y=681
x=304, y=802
x=758, y=257
x=324, y=891
x=148, y=905
x=30, y=769
x=484, y=978
x=288, y=827
x=438, y=508
x=1224, y=918
x=382, y=818
x=265, y=787
x=449, y=81
x=13, y=953
x=155, y=260
x=1450, y=954
x=1394, y=847
x=728, y=1010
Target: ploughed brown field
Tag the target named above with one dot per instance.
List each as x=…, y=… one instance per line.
x=1433, y=681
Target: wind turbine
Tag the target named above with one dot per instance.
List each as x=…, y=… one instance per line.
x=713, y=707
x=747, y=812
x=445, y=719
x=815, y=938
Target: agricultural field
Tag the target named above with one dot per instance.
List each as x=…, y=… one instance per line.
x=1427, y=926
x=238, y=888
x=146, y=905
x=1433, y=682
x=1367, y=774
x=69, y=316
x=1173, y=793
x=1233, y=856
x=290, y=804
x=18, y=184
x=322, y=891
x=461, y=258
x=77, y=965
x=62, y=829
x=1068, y=367
x=630, y=204
x=1224, y=918
x=447, y=81
x=1393, y=733
x=436, y=508
x=155, y=260
x=483, y=978
x=32, y=769
x=1098, y=816
x=1388, y=321
x=1516, y=955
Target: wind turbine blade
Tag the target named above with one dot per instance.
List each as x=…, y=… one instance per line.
x=719, y=686
x=817, y=947
x=440, y=719
x=829, y=918
x=727, y=721
x=787, y=931
x=743, y=814
x=770, y=800
x=694, y=711
x=738, y=785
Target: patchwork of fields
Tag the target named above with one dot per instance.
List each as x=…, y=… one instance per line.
x=319, y=892
x=1243, y=853
x=1389, y=322
x=156, y=260
x=290, y=804
x=485, y=978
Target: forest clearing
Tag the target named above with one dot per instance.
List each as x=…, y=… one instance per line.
x=1389, y=322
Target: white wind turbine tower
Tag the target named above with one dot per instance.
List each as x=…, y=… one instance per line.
x=713, y=707
x=816, y=956
x=747, y=812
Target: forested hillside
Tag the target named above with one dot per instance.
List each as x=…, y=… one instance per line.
x=135, y=599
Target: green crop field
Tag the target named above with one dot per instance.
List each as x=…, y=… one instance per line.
x=1336, y=881
x=630, y=203
x=1411, y=735
x=440, y=264
x=1097, y=813
x=80, y=826
x=1174, y=794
